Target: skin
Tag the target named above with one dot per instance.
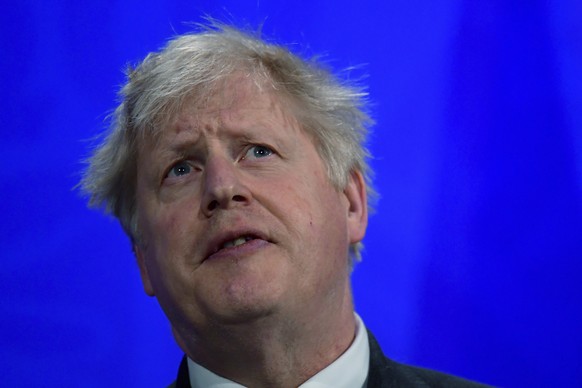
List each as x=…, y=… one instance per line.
x=277, y=309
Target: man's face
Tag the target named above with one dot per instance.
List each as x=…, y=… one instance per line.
x=237, y=217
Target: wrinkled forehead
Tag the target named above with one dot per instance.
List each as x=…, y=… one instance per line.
x=235, y=93
x=239, y=99
x=227, y=92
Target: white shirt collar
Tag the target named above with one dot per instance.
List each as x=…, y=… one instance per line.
x=348, y=371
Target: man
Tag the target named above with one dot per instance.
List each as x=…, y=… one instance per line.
x=239, y=172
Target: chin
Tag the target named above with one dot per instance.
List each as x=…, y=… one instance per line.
x=244, y=315
x=238, y=302
x=240, y=312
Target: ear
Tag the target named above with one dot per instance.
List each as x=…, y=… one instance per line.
x=356, y=195
x=143, y=270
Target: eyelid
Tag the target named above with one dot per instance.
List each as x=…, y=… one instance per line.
x=249, y=147
x=177, y=162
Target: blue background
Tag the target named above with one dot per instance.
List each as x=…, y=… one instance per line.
x=473, y=259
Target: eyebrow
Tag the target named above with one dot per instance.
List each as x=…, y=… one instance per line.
x=182, y=142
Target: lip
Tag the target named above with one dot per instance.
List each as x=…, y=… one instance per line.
x=214, y=249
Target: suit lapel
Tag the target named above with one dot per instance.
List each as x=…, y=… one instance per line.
x=183, y=379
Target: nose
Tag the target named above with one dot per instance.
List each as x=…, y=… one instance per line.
x=223, y=188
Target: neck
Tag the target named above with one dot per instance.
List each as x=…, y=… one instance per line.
x=273, y=350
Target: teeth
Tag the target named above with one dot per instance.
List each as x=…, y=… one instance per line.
x=236, y=242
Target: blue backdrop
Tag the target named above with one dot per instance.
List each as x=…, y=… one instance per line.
x=473, y=259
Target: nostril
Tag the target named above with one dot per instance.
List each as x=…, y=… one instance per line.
x=225, y=198
x=212, y=205
x=238, y=198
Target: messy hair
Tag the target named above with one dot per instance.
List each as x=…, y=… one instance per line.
x=188, y=68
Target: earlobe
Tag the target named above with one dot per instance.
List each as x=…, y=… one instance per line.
x=356, y=195
x=143, y=270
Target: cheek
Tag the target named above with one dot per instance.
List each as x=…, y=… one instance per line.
x=297, y=206
x=165, y=249
x=162, y=231
x=317, y=214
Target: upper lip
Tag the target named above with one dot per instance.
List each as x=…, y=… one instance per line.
x=219, y=239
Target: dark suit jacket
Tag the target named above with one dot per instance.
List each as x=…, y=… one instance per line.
x=382, y=373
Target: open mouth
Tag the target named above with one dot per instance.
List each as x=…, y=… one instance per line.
x=237, y=241
x=226, y=244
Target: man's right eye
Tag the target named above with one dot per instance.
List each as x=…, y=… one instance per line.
x=179, y=169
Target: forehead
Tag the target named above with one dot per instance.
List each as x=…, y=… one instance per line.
x=238, y=104
x=237, y=100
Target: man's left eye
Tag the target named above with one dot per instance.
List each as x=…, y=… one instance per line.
x=258, y=151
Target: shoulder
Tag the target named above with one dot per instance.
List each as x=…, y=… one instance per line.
x=421, y=377
x=385, y=373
